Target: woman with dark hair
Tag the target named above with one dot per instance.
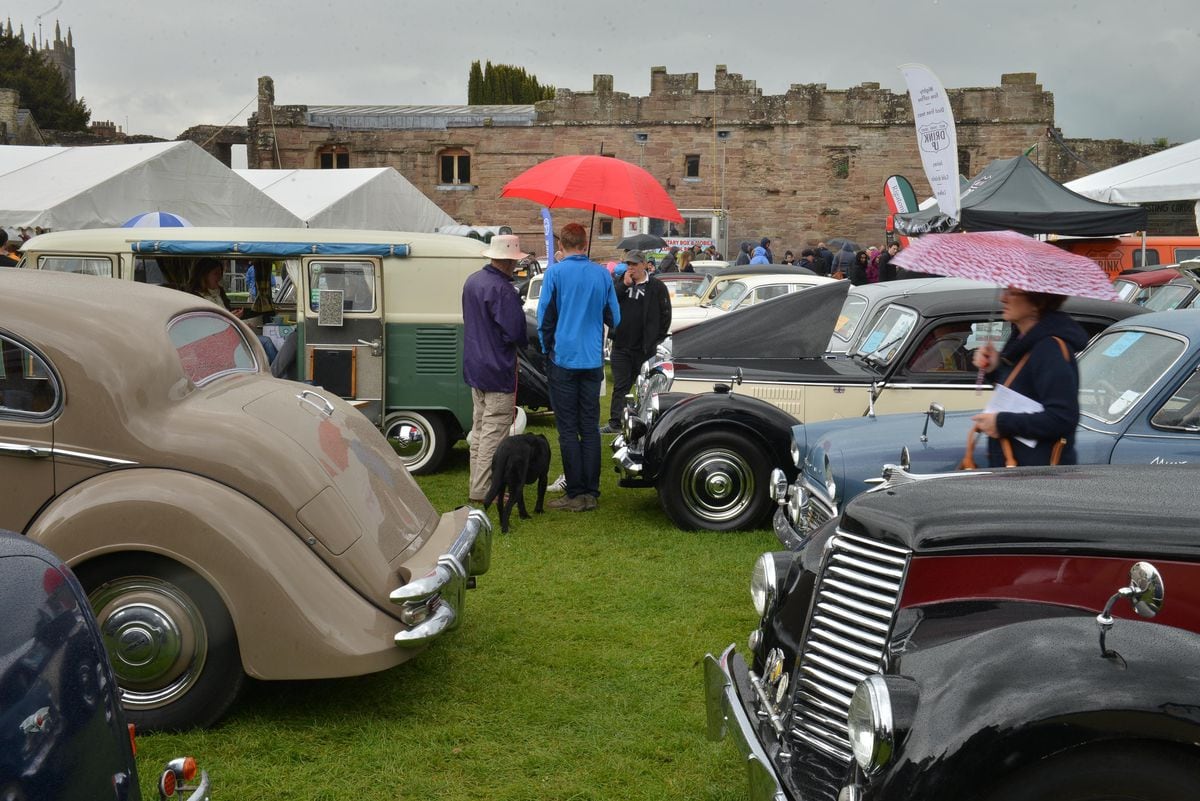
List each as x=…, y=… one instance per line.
x=788, y=257
x=206, y=282
x=858, y=270
x=1038, y=361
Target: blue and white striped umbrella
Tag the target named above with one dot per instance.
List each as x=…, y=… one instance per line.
x=156, y=219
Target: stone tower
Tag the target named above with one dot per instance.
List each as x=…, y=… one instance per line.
x=61, y=53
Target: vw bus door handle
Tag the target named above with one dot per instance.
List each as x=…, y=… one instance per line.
x=376, y=345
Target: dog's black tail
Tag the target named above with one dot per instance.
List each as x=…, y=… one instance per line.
x=497, y=487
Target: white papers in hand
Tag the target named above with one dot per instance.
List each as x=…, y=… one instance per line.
x=1007, y=400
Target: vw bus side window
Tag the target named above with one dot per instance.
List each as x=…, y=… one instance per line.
x=27, y=387
x=79, y=265
x=210, y=346
x=354, y=279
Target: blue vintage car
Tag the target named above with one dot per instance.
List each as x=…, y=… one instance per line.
x=1139, y=397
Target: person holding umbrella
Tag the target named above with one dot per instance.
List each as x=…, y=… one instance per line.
x=577, y=301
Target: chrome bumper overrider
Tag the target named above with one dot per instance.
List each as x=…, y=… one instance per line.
x=433, y=604
x=626, y=464
x=727, y=682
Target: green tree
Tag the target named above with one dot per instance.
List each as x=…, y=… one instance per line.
x=43, y=89
x=504, y=84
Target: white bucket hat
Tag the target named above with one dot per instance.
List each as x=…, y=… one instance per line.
x=504, y=246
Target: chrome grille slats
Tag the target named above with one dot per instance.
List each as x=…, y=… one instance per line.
x=857, y=595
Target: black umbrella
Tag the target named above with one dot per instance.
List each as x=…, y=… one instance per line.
x=642, y=242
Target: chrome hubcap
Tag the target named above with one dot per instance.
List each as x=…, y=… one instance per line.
x=409, y=439
x=718, y=485
x=155, y=637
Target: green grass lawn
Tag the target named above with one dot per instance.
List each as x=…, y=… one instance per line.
x=575, y=675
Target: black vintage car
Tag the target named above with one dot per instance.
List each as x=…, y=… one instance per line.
x=63, y=733
x=1026, y=635
x=707, y=427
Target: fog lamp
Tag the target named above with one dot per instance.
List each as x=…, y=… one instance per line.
x=778, y=486
x=764, y=583
x=870, y=723
x=797, y=499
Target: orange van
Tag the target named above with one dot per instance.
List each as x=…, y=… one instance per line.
x=1119, y=253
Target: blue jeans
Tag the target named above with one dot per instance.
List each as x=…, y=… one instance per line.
x=576, y=398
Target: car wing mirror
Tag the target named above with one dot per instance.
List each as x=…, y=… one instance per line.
x=1146, y=593
x=936, y=413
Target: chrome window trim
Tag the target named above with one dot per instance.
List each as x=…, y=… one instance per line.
x=60, y=392
x=901, y=345
x=258, y=368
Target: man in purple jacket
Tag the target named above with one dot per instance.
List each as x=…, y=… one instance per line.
x=493, y=329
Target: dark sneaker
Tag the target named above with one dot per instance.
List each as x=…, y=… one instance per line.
x=563, y=502
x=581, y=503
x=609, y=428
x=592, y=502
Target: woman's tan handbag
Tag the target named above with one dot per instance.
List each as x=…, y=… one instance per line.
x=1010, y=460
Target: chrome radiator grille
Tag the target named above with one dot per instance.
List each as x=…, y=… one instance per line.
x=819, y=510
x=856, y=601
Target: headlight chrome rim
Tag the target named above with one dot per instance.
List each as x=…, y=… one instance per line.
x=764, y=583
x=795, y=452
x=777, y=488
x=871, y=724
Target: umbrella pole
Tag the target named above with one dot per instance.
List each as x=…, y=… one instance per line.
x=592, y=228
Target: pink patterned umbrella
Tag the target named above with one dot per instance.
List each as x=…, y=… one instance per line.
x=1009, y=259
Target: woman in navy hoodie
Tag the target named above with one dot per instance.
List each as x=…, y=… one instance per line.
x=1038, y=361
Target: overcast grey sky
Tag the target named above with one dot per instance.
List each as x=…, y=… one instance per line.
x=1117, y=69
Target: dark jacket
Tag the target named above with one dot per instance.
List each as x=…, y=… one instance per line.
x=645, y=321
x=843, y=260
x=885, y=268
x=743, y=254
x=1051, y=379
x=858, y=272
x=826, y=256
x=493, y=327
x=669, y=265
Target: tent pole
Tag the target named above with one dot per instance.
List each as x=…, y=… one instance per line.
x=592, y=227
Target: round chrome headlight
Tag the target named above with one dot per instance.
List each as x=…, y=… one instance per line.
x=870, y=722
x=795, y=453
x=830, y=483
x=763, y=583
x=796, y=499
x=777, y=489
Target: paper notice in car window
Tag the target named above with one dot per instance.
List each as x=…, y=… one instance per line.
x=1122, y=343
x=1122, y=404
x=1008, y=400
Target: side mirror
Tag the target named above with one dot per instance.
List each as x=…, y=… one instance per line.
x=937, y=413
x=1145, y=592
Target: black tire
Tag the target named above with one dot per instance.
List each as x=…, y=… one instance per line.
x=717, y=480
x=1113, y=772
x=427, y=454
x=170, y=640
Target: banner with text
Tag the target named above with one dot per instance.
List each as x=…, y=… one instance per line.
x=900, y=200
x=936, y=138
x=548, y=229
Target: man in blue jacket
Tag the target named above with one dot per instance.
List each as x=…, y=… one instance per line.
x=577, y=301
x=493, y=329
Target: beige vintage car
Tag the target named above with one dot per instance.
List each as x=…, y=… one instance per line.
x=223, y=522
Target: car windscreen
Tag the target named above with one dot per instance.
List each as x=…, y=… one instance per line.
x=209, y=346
x=884, y=339
x=1125, y=289
x=1119, y=368
x=684, y=287
x=1168, y=297
x=853, y=310
x=729, y=296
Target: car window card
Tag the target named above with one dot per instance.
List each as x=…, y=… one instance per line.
x=1122, y=343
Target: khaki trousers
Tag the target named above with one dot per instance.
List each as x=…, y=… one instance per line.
x=492, y=414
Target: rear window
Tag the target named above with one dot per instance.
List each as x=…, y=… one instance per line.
x=210, y=346
x=852, y=311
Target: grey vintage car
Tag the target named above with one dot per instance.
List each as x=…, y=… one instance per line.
x=223, y=522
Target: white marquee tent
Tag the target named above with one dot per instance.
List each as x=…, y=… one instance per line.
x=63, y=188
x=369, y=198
x=1169, y=175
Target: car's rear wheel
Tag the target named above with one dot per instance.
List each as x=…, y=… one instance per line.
x=420, y=439
x=1116, y=772
x=716, y=481
x=170, y=640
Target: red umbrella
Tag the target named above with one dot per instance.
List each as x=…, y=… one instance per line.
x=1009, y=259
x=596, y=183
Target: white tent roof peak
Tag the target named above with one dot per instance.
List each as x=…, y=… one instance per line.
x=103, y=186
x=1171, y=174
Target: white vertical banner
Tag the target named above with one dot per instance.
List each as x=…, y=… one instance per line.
x=935, y=135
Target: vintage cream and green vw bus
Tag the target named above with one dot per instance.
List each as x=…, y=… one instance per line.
x=375, y=316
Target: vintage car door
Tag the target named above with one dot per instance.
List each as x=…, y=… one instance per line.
x=342, y=311
x=1168, y=431
x=30, y=398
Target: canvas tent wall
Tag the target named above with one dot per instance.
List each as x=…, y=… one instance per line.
x=1013, y=194
x=66, y=188
x=379, y=199
x=1169, y=175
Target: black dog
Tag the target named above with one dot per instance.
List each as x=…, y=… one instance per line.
x=518, y=461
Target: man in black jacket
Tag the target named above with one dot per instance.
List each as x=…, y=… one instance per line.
x=645, y=319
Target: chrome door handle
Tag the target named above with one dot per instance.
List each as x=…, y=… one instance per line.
x=325, y=407
x=376, y=345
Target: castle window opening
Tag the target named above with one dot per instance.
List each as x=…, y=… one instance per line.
x=606, y=227
x=455, y=166
x=333, y=157
x=691, y=167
